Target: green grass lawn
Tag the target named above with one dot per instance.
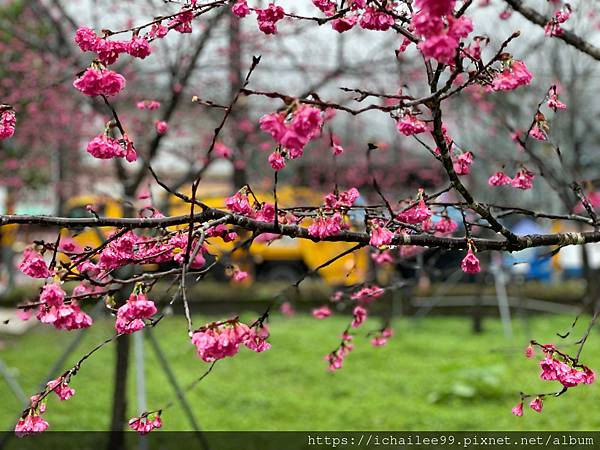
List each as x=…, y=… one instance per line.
x=433, y=375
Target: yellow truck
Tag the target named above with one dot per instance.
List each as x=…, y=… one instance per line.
x=284, y=259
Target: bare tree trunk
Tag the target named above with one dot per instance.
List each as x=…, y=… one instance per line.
x=60, y=170
x=116, y=439
x=119, y=408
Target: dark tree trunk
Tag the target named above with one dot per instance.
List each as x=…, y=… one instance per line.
x=119, y=407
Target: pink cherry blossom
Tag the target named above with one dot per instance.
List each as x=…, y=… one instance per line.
x=553, y=27
x=513, y=76
x=65, y=316
x=523, y=179
x=335, y=359
x=239, y=275
x=32, y=423
x=367, y=294
x=145, y=424
x=415, y=214
x=267, y=18
x=554, y=103
x=462, y=164
x=130, y=316
x=277, y=161
x=378, y=341
x=552, y=368
x=590, y=375
x=223, y=232
x=60, y=387
x=238, y=203
x=518, y=410
x=87, y=39
x=529, y=352
x=382, y=257
x=95, y=82
x=343, y=199
x=222, y=150
x=380, y=235
x=446, y=226
x=436, y=7
x=130, y=153
x=33, y=264
x=182, y=22
x=470, y=263
x=382, y=337
x=499, y=179
x=337, y=149
x=323, y=227
x=148, y=104
x=241, y=8
x=307, y=121
x=8, y=121
x=287, y=309
x=374, y=19
x=344, y=23
x=326, y=6
x=538, y=132
x=274, y=124
x=216, y=341
x=255, y=339
x=359, y=316
x=161, y=127
x=139, y=47
x=105, y=147
x=109, y=51
x=409, y=125
x=536, y=405
x=52, y=294
x=321, y=313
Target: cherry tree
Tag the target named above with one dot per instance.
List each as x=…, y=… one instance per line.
x=450, y=61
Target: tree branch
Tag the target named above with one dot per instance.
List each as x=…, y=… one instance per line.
x=567, y=36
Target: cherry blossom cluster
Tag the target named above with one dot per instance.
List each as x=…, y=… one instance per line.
x=107, y=147
x=64, y=316
x=292, y=131
x=359, y=300
x=100, y=81
x=266, y=18
x=32, y=421
x=556, y=366
x=541, y=126
x=218, y=340
x=108, y=51
x=410, y=125
x=380, y=235
x=513, y=75
x=33, y=264
x=522, y=180
x=330, y=219
x=440, y=29
x=335, y=359
x=145, y=423
x=417, y=213
x=8, y=121
x=130, y=316
x=382, y=337
x=553, y=27
x=239, y=203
